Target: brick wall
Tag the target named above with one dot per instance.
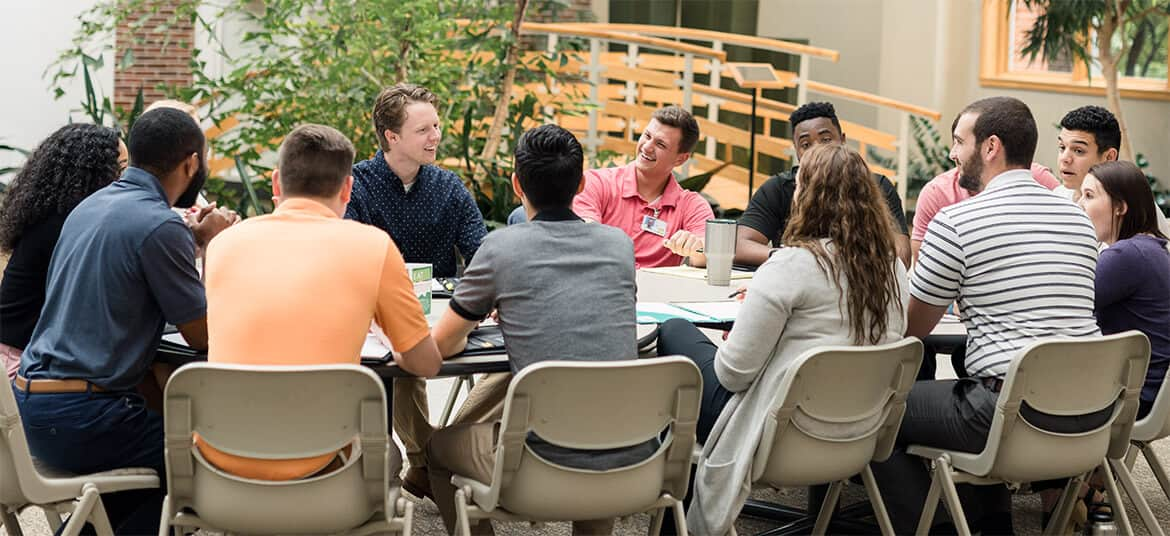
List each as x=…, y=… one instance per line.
x=154, y=63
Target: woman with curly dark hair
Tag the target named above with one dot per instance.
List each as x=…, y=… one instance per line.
x=836, y=281
x=65, y=168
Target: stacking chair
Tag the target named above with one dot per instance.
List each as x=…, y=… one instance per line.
x=592, y=406
x=1154, y=426
x=23, y=483
x=277, y=413
x=1053, y=390
x=837, y=409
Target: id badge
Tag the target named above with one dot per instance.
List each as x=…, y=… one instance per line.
x=654, y=225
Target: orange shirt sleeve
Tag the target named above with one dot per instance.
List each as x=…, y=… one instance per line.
x=398, y=310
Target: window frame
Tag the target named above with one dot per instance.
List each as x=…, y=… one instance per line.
x=995, y=44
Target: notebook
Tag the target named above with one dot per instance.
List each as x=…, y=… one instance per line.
x=484, y=340
x=697, y=312
x=691, y=272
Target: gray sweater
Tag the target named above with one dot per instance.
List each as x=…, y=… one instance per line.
x=791, y=307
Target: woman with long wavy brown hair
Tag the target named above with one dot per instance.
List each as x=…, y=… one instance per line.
x=836, y=280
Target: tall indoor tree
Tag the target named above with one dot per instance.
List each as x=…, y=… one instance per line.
x=1085, y=29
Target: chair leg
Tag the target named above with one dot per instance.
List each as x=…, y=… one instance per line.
x=656, y=522
x=1135, y=496
x=407, y=516
x=875, y=500
x=680, y=518
x=1132, y=453
x=954, y=506
x=8, y=521
x=462, y=521
x=97, y=515
x=1119, y=510
x=926, y=519
x=928, y=509
x=81, y=513
x=1058, y=523
x=449, y=406
x=827, y=507
x=164, y=519
x=52, y=517
x=1157, y=468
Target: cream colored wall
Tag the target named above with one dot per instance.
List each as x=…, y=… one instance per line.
x=600, y=9
x=926, y=52
x=31, y=36
x=844, y=25
x=1148, y=121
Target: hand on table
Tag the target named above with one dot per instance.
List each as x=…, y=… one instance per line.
x=684, y=243
x=739, y=294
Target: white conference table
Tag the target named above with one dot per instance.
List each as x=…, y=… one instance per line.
x=656, y=287
x=653, y=286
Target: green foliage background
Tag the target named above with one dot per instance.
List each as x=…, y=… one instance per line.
x=325, y=61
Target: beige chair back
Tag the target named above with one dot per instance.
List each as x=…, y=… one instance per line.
x=278, y=413
x=595, y=406
x=19, y=480
x=1067, y=380
x=1156, y=424
x=836, y=409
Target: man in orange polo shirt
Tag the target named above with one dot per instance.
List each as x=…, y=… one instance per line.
x=301, y=285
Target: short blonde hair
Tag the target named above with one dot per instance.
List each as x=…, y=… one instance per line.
x=390, y=108
x=184, y=107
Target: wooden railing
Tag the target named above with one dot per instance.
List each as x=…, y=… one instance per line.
x=622, y=89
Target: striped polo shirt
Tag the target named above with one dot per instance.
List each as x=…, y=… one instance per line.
x=1020, y=262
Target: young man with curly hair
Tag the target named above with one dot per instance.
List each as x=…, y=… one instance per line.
x=768, y=211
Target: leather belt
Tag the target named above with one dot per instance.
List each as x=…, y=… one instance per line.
x=993, y=383
x=55, y=386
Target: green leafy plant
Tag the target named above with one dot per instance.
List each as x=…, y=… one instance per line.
x=1062, y=30
x=1161, y=196
x=12, y=169
x=929, y=157
x=324, y=61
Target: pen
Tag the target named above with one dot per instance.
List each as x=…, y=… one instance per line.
x=737, y=293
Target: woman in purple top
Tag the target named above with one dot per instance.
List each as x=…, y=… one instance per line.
x=65, y=168
x=1133, y=272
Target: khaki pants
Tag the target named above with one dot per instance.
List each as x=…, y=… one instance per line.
x=469, y=450
x=485, y=403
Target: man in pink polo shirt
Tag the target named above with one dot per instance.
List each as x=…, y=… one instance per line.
x=666, y=222
x=945, y=190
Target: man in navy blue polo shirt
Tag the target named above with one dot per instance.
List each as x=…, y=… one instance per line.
x=426, y=209
x=428, y=213
x=123, y=267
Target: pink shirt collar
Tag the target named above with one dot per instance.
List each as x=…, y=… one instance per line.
x=629, y=185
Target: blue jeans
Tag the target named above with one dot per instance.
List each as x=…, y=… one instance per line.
x=679, y=337
x=93, y=432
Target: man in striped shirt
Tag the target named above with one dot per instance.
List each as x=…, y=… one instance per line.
x=1020, y=261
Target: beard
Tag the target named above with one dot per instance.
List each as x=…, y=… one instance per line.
x=187, y=199
x=969, y=173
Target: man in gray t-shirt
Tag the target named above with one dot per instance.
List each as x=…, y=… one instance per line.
x=564, y=290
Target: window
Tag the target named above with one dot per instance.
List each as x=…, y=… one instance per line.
x=1006, y=23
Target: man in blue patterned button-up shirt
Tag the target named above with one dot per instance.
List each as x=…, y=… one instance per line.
x=426, y=209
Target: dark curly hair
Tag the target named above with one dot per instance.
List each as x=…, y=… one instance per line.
x=1097, y=121
x=65, y=168
x=814, y=110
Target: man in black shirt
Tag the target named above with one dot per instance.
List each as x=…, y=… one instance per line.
x=767, y=213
